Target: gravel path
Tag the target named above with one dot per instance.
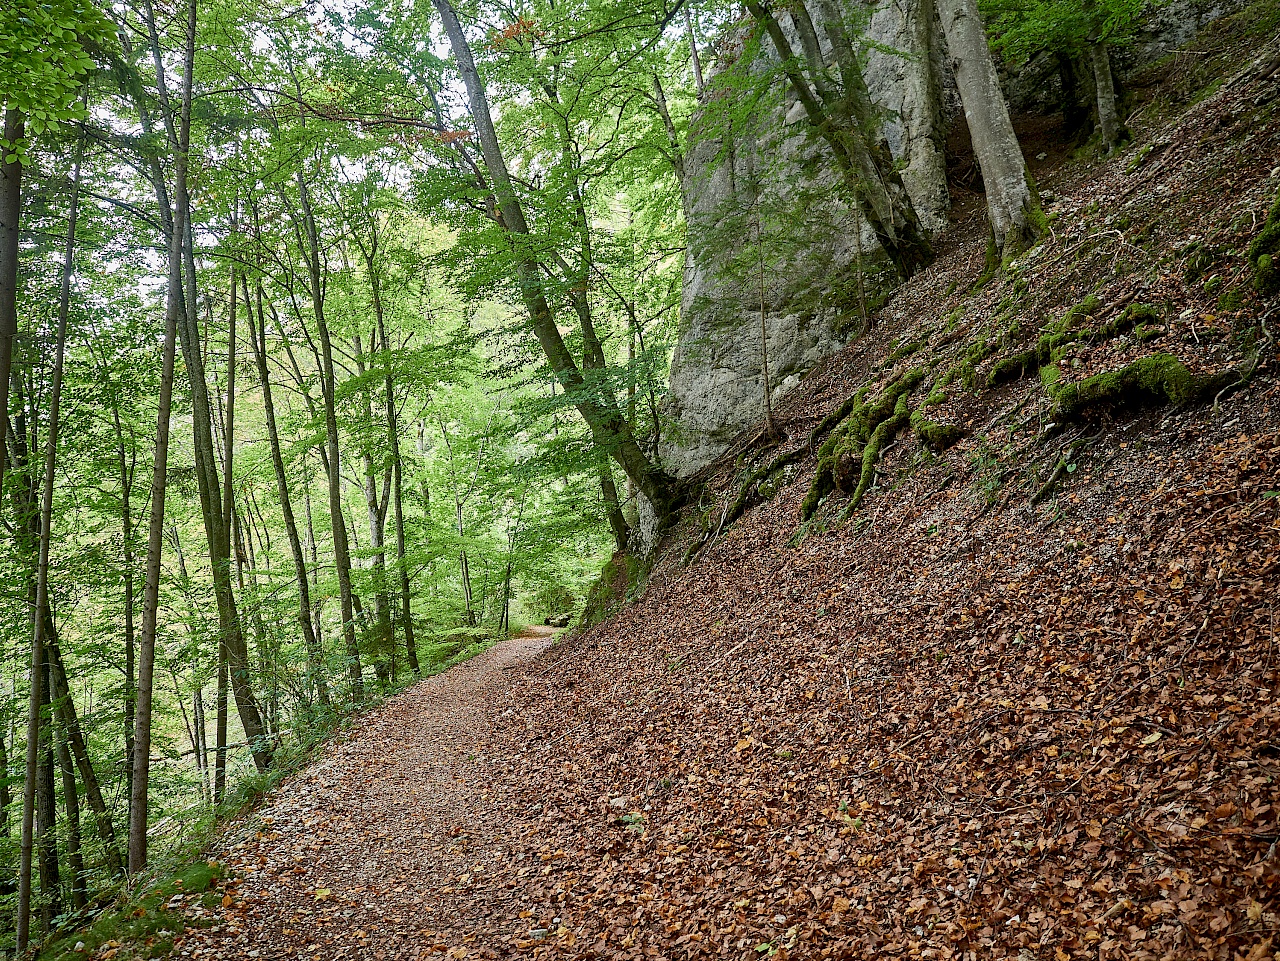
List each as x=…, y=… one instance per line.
x=377, y=849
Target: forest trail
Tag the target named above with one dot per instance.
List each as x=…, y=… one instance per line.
x=352, y=857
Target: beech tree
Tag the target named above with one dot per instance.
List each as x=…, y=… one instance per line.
x=1013, y=204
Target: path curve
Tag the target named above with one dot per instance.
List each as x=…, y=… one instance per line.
x=370, y=852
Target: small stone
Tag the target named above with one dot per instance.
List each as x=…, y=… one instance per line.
x=1042, y=156
x=79, y=946
x=618, y=802
x=539, y=933
x=779, y=919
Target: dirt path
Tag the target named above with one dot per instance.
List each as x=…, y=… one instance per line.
x=371, y=851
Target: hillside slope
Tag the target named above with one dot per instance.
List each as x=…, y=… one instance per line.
x=986, y=715
x=1020, y=702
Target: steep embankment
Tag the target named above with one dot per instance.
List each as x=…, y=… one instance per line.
x=1021, y=702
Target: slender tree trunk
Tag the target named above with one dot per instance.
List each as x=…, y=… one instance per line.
x=6, y=799
x=311, y=643
x=699, y=85
x=341, y=548
x=376, y=508
x=201, y=746
x=70, y=722
x=10, y=214
x=397, y=494
x=613, y=510
x=41, y=614
x=138, y=795
x=849, y=126
x=71, y=805
x=220, y=728
x=35, y=698
x=1113, y=132
x=216, y=524
x=47, y=822
x=1013, y=206
x=607, y=424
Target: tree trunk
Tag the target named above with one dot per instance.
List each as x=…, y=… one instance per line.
x=311, y=643
x=848, y=125
x=1113, y=132
x=1013, y=207
x=47, y=822
x=397, y=494
x=341, y=548
x=70, y=722
x=71, y=805
x=10, y=214
x=376, y=509
x=155, y=547
x=6, y=799
x=607, y=424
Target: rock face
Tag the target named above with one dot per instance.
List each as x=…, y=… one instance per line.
x=768, y=226
x=774, y=181
x=1036, y=87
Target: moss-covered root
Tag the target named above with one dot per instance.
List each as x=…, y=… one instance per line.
x=937, y=437
x=1049, y=348
x=1156, y=379
x=1264, y=254
x=858, y=440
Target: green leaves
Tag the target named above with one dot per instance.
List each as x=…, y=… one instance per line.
x=44, y=45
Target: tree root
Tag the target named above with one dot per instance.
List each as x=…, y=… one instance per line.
x=1064, y=462
x=859, y=440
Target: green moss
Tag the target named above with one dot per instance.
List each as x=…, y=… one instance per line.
x=1048, y=350
x=1231, y=300
x=142, y=926
x=855, y=445
x=905, y=350
x=1263, y=251
x=936, y=436
x=620, y=580
x=1156, y=379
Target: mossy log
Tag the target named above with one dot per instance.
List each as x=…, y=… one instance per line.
x=1264, y=254
x=1051, y=346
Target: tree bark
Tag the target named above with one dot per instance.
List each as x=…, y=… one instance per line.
x=315, y=659
x=71, y=805
x=341, y=547
x=10, y=215
x=608, y=425
x=848, y=126
x=1113, y=132
x=1013, y=206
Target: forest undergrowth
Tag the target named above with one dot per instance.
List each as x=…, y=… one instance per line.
x=982, y=666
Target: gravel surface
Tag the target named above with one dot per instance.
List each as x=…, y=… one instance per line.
x=373, y=851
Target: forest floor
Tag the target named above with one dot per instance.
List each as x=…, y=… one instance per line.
x=346, y=859
x=1022, y=703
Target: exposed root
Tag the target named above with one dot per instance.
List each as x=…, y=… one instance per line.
x=1062, y=467
x=858, y=442
x=1156, y=379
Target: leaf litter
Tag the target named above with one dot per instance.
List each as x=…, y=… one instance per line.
x=958, y=726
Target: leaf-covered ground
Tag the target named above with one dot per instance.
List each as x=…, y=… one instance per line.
x=958, y=725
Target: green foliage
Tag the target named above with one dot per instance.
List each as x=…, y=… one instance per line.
x=142, y=926
x=46, y=47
